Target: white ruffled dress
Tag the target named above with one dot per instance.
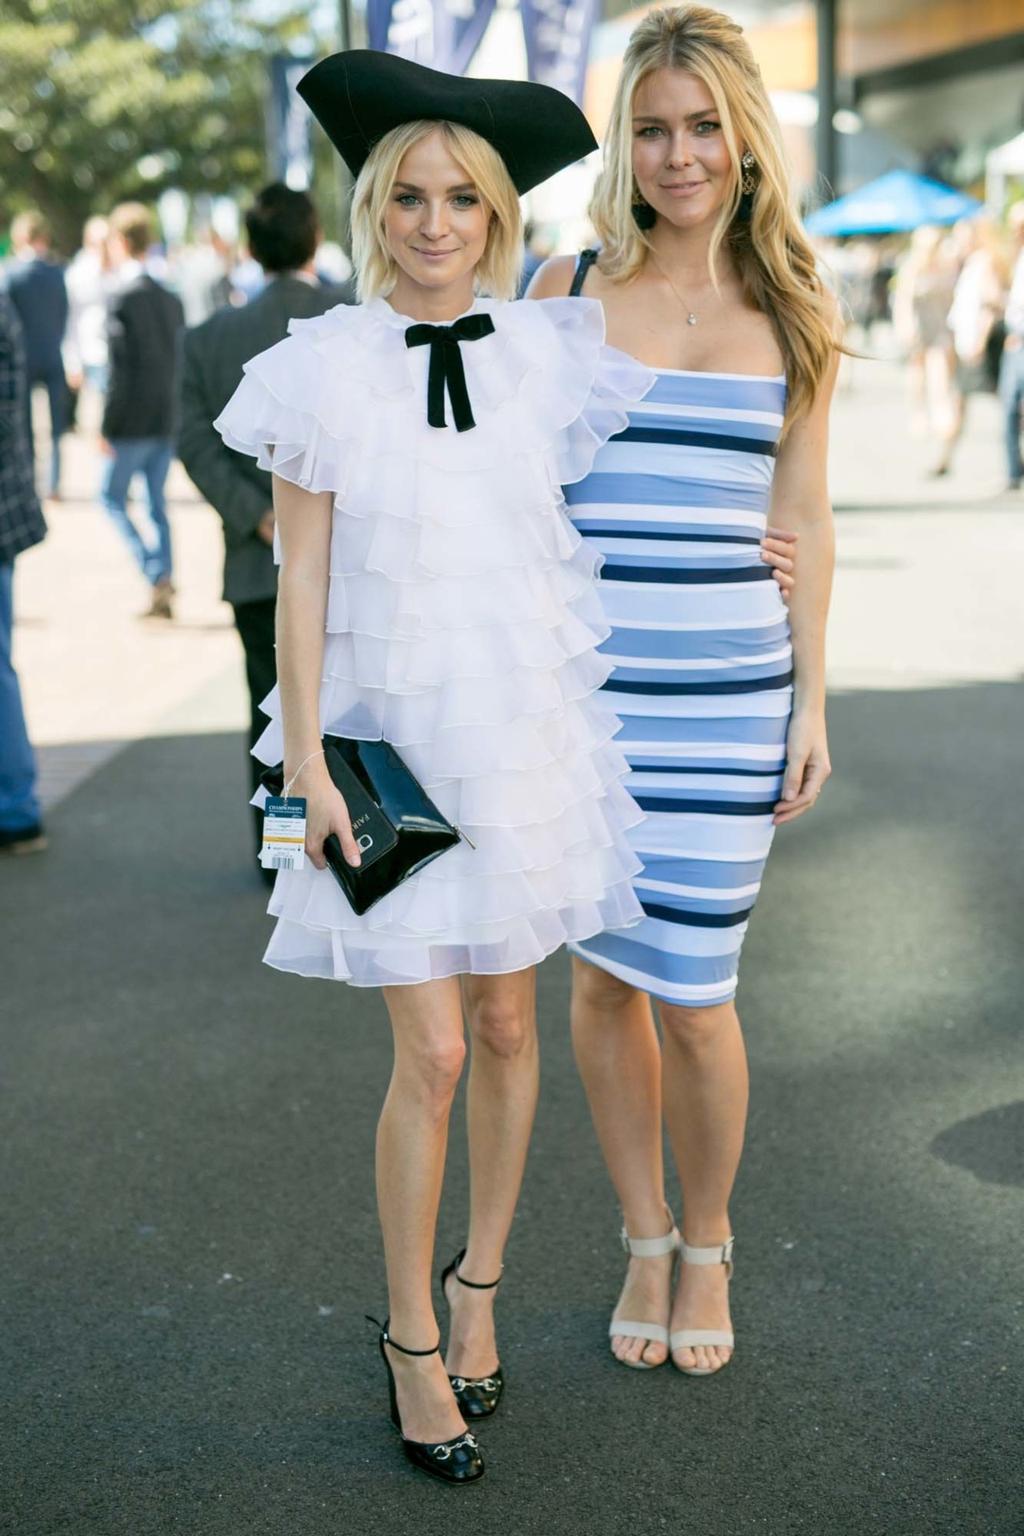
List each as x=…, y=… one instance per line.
x=462, y=626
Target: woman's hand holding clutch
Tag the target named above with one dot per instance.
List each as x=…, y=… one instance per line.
x=326, y=812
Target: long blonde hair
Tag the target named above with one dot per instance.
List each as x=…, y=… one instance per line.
x=773, y=255
x=376, y=269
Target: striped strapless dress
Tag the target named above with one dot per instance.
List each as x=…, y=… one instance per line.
x=702, y=681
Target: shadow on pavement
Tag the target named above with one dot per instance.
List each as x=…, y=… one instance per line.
x=989, y=1145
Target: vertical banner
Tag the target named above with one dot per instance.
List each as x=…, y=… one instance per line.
x=558, y=42
x=443, y=34
x=289, y=146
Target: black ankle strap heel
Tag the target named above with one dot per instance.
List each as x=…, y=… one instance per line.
x=473, y=1285
x=453, y=1461
x=477, y=1396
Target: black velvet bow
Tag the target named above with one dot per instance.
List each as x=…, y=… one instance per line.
x=446, y=366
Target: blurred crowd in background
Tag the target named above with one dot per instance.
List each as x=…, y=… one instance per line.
x=950, y=304
x=138, y=344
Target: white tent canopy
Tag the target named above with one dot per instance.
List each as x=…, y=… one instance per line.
x=1000, y=164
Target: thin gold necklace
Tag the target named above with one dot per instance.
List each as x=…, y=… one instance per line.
x=691, y=318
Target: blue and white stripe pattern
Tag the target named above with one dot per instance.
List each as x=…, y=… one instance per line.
x=677, y=505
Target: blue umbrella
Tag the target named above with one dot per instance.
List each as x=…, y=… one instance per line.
x=899, y=200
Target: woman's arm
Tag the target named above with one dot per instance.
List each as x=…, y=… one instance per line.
x=304, y=527
x=800, y=502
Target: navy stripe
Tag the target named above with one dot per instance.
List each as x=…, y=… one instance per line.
x=696, y=439
x=638, y=766
x=696, y=919
x=704, y=807
x=593, y=530
x=651, y=573
x=740, y=685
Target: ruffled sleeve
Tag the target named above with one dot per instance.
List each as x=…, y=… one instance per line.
x=586, y=391
x=277, y=413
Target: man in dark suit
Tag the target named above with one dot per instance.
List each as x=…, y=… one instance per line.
x=284, y=233
x=21, y=526
x=36, y=285
x=145, y=328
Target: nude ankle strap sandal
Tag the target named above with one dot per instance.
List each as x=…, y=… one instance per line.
x=689, y=1338
x=654, y=1333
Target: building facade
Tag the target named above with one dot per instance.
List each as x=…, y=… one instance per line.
x=931, y=85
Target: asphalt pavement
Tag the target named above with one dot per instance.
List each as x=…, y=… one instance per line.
x=189, y=1233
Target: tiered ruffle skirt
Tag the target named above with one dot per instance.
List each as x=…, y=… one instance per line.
x=462, y=626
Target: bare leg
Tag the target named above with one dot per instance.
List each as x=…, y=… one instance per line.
x=938, y=378
x=501, y=1103
x=619, y=1060
x=954, y=426
x=706, y=1088
x=412, y=1138
x=917, y=388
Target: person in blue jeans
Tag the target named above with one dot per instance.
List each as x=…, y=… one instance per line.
x=21, y=526
x=145, y=331
x=150, y=457
x=1011, y=373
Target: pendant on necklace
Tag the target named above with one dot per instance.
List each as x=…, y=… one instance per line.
x=691, y=318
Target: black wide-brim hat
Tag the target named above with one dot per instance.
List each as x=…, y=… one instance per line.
x=359, y=96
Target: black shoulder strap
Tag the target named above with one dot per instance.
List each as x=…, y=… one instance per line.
x=584, y=263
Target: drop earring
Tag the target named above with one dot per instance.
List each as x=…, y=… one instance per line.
x=644, y=216
x=748, y=182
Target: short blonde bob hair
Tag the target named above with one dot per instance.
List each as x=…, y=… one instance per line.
x=773, y=256
x=376, y=269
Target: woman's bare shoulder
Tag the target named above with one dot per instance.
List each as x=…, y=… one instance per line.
x=553, y=278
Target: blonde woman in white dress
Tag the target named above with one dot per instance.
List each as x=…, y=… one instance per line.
x=434, y=594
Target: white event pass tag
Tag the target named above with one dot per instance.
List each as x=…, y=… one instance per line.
x=284, y=833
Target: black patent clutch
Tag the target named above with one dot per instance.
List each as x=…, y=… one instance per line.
x=398, y=827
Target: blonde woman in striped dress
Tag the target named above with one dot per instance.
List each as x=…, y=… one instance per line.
x=706, y=276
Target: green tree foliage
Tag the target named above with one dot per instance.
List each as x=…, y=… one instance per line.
x=104, y=100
